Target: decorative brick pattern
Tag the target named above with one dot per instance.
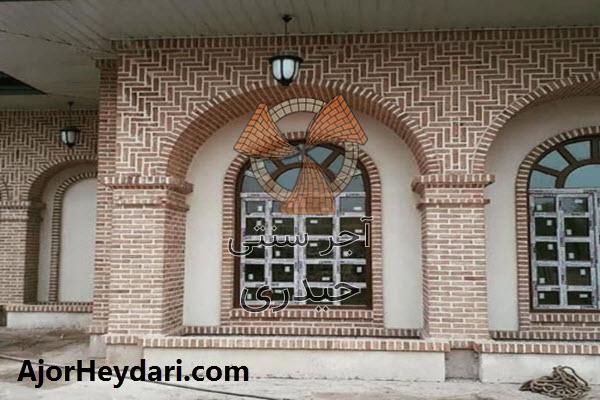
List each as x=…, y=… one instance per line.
x=529, y=321
x=446, y=93
x=51, y=307
x=279, y=343
x=31, y=153
x=545, y=335
x=270, y=330
x=581, y=348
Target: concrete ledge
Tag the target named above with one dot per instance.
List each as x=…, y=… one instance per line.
x=29, y=319
x=518, y=368
x=310, y=364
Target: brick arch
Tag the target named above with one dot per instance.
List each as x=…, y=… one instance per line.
x=577, y=85
x=204, y=121
x=38, y=180
x=522, y=223
x=56, y=230
x=309, y=320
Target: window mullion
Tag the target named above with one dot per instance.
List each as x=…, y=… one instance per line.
x=595, y=273
x=269, y=237
x=560, y=236
x=336, y=265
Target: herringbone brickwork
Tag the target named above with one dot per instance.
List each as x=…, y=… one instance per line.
x=31, y=153
x=445, y=92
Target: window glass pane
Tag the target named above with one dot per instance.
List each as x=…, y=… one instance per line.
x=354, y=250
x=578, y=276
x=319, y=154
x=251, y=293
x=283, y=226
x=579, y=150
x=251, y=185
x=544, y=204
x=282, y=273
x=356, y=184
x=294, y=158
x=547, y=275
x=546, y=251
x=336, y=165
x=541, y=180
x=254, y=272
x=584, y=177
x=255, y=226
x=283, y=252
x=577, y=226
x=577, y=251
x=352, y=204
x=255, y=207
x=545, y=226
x=257, y=252
x=288, y=178
x=358, y=299
x=574, y=204
x=276, y=206
x=277, y=294
x=319, y=226
x=549, y=298
x=316, y=246
x=554, y=160
x=353, y=273
x=579, y=298
x=319, y=272
x=352, y=224
x=317, y=292
x=270, y=166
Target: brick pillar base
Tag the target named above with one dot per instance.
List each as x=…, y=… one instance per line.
x=19, y=240
x=454, y=263
x=147, y=257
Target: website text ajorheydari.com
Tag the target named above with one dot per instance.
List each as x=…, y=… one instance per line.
x=40, y=373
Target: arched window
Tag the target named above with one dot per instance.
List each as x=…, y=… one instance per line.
x=564, y=199
x=284, y=267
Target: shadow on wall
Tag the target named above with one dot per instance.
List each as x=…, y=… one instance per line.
x=2, y=316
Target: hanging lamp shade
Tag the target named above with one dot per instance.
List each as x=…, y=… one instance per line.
x=69, y=135
x=285, y=68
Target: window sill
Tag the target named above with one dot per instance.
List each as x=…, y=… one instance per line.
x=305, y=314
x=590, y=317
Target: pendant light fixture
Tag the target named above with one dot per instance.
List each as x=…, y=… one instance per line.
x=285, y=66
x=69, y=136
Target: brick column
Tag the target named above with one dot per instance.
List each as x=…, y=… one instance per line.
x=107, y=127
x=19, y=241
x=454, y=259
x=147, y=257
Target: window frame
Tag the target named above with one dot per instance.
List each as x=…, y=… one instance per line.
x=557, y=193
x=237, y=220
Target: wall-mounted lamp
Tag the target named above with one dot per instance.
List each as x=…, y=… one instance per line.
x=69, y=135
x=285, y=66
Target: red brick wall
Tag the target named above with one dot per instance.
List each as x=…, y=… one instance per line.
x=30, y=154
x=447, y=94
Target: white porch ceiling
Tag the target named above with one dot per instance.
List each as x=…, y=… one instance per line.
x=51, y=45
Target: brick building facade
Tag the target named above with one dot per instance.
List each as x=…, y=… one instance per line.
x=448, y=96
